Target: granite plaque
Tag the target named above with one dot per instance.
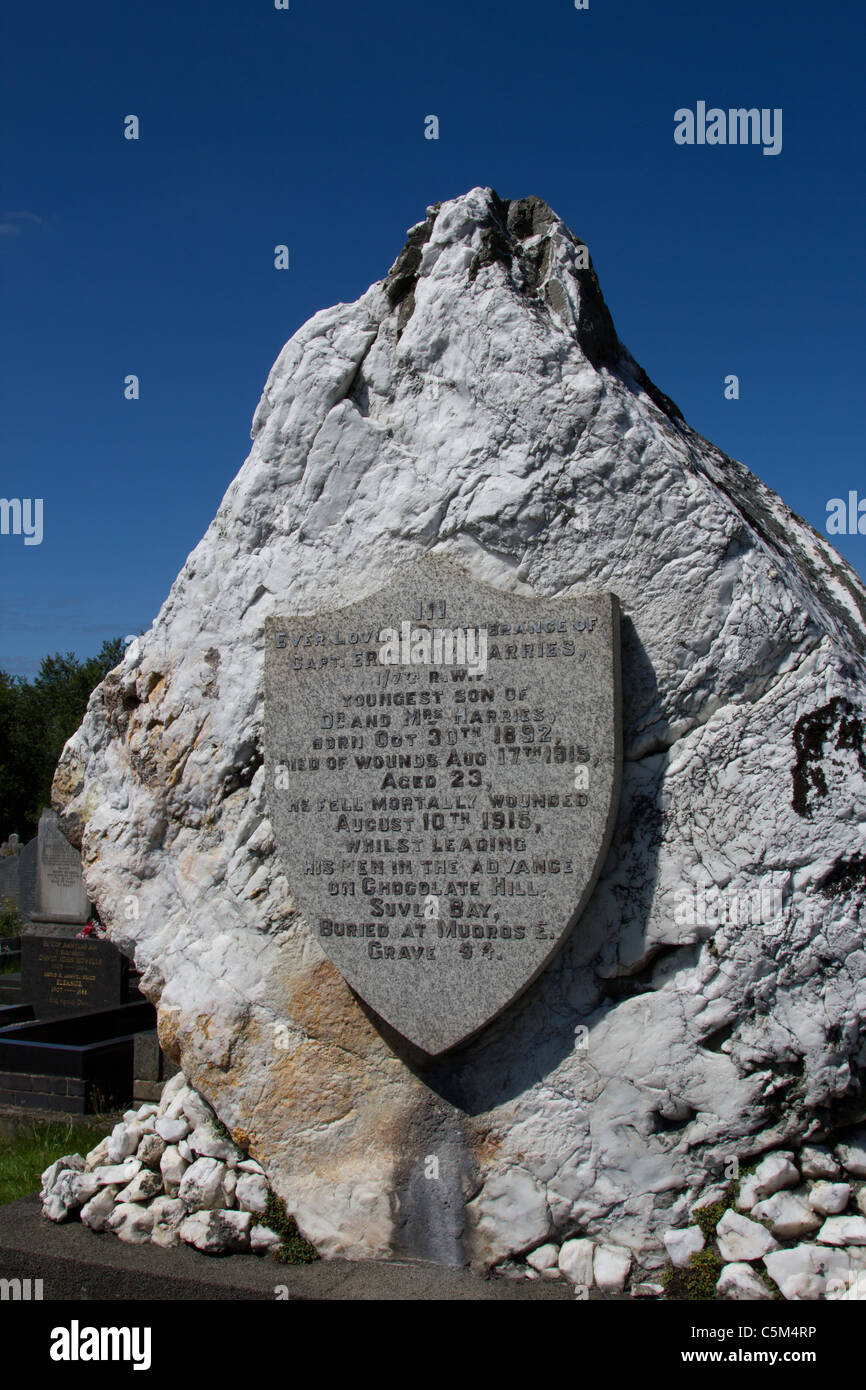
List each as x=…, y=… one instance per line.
x=443, y=768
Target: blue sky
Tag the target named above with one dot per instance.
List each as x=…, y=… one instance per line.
x=306, y=127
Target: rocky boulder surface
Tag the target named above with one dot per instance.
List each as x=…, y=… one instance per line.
x=478, y=402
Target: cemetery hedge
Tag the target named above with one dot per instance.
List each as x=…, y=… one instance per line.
x=36, y=719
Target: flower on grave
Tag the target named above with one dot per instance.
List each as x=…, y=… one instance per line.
x=90, y=928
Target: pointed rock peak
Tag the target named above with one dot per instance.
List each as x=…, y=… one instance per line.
x=541, y=260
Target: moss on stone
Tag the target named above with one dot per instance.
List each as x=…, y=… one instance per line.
x=697, y=1282
x=294, y=1250
x=708, y=1217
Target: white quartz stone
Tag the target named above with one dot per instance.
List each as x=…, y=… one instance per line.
x=263, y=1240
x=252, y=1194
x=830, y=1198
x=96, y=1212
x=217, y=1232
x=739, y=1281
x=817, y=1161
x=202, y=1186
x=172, y=1167
x=168, y=1214
x=610, y=1267
x=682, y=1244
x=790, y=1216
x=852, y=1155
x=544, y=1261
x=575, y=1261
x=803, y=1272
x=843, y=1230
x=740, y=1239
x=131, y=1222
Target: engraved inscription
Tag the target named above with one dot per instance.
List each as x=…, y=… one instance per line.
x=442, y=826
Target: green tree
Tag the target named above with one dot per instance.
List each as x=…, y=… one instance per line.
x=36, y=719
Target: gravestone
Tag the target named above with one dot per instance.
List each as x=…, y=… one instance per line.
x=62, y=975
x=478, y=403
x=27, y=865
x=10, y=852
x=443, y=765
x=151, y=1067
x=60, y=897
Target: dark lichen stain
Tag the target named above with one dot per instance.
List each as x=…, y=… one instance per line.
x=402, y=278
x=812, y=732
x=517, y=236
x=496, y=241
x=845, y=878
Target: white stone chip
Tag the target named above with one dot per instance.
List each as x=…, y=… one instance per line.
x=72, y=1188
x=682, y=1244
x=172, y=1167
x=575, y=1261
x=172, y=1130
x=804, y=1271
x=252, y=1195
x=739, y=1281
x=843, y=1230
x=790, y=1216
x=98, y=1156
x=50, y=1175
x=740, y=1239
x=263, y=1240
x=773, y=1173
x=125, y=1139
x=544, y=1260
x=208, y=1143
x=151, y=1150
x=144, y=1185
x=117, y=1174
x=852, y=1155
x=96, y=1212
x=131, y=1222
x=202, y=1186
x=168, y=1214
x=817, y=1161
x=830, y=1198
x=610, y=1267
x=217, y=1232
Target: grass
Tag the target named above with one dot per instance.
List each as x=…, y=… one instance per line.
x=26, y=1153
x=10, y=922
x=10, y=925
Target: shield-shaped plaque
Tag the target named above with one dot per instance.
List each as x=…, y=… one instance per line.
x=443, y=768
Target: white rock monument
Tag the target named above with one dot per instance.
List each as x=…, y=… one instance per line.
x=477, y=403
